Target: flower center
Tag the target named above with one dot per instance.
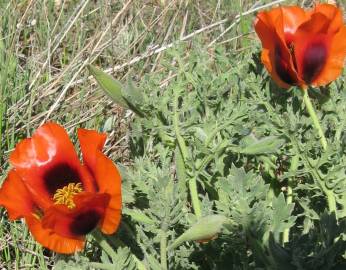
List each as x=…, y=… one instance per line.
x=65, y=195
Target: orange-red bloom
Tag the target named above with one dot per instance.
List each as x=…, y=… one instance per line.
x=302, y=47
x=60, y=198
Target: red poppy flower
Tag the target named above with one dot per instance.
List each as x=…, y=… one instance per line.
x=60, y=198
x=302, y=47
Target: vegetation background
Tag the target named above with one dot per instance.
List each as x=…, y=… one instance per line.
x=208, y=49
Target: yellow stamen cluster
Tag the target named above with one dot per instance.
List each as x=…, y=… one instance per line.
x=65, y=195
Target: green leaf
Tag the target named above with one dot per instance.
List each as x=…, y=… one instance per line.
x=265, y=145
x=76, y=262
x=206, y=228
x=138, y=216
x=112, y=87
x=282, y=218
x=279, y=255
x=154, y=264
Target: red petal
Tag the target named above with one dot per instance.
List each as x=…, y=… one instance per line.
x=293, y=17
x=335, y=60
x=51, y=240
x=106, y=174
x=276, y=55
x=15, y=197
x=320, y=53
x=336, y=42
x=333, y=14
x=91, y=142
x=77, y=222
x=112, y=216
x=48, y=161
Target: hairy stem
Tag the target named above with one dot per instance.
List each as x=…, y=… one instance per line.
x=329, y=193
x=163, y=250
x=184, y=153
x=194, y=197
x=101, y=266
x=289, y=199
x=314, y=118
x=317, y=177
x=106, y=247
x=98, y=237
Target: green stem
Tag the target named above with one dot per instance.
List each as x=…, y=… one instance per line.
x=184, y=153
x=317, y=177
x=329, y=193
x=100, y=239
x=271, y=192
x=180, y=139
x=101, y=266
x=194, y=197
x=314, y=118
x=289, y=199
x=163, y=250
x=314, y=172
x=104, y=244
x=331, y=201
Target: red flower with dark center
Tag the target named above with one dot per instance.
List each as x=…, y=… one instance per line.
x=302, y=47
x=60, y=198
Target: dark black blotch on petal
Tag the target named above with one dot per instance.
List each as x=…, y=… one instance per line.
x=85, y=222
x=282, y=67
x=314, y=59
x=59, y=176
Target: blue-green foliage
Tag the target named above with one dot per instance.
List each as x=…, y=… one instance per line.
x=219, y=119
